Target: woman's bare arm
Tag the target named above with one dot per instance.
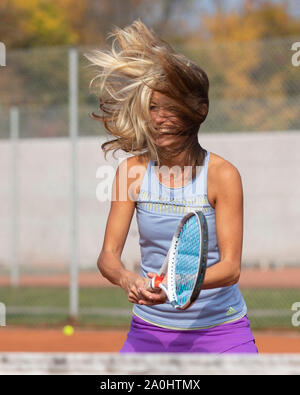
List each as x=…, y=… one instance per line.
x=117, y=227
x=229, y=227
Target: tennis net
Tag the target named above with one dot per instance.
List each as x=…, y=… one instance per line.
x=148, y=364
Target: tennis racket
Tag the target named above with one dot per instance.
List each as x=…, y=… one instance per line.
x=185, y=263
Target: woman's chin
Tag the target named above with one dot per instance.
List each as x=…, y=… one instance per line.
x=164, y=141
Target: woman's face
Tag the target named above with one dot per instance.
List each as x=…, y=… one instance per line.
x=164, y=120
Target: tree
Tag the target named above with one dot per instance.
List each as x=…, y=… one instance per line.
x=34, y=23
x=258, y=19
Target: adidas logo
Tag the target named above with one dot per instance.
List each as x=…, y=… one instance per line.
x=230, y=311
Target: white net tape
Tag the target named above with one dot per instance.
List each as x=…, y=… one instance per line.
x=148, y=364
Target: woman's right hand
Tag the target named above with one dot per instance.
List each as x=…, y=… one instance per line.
x=138, y=291
x=132, y=283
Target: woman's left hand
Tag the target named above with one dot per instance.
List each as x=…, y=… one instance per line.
x=151, y=297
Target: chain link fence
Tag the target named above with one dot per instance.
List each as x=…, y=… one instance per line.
x=254, y=88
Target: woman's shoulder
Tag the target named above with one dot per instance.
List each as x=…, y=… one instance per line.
x=222, y=174
x=220, y=166
x=222, y=177
x=136, y=160
x=133, y=168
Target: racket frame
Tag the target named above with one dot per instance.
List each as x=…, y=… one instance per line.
x=169, y=265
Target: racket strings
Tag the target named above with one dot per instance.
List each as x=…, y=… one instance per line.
x=187, y=260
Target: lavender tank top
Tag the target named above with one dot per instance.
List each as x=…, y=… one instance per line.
x=159, y=210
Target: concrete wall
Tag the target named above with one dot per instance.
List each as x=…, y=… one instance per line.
x=269, y=164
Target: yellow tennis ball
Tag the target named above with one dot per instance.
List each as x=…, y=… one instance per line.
x=68, y=330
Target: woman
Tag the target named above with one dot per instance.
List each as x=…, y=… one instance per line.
x=153, y=102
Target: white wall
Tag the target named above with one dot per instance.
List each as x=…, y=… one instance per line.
x=269, y=164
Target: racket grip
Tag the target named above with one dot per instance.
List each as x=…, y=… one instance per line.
x=155, y=281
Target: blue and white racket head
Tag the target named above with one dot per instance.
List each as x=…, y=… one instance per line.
x=187, y=260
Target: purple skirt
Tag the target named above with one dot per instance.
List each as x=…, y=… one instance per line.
x=233, y=337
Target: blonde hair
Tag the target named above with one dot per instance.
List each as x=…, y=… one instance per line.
x=138, y=63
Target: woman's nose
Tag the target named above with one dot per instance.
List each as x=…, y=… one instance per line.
x=160, y=116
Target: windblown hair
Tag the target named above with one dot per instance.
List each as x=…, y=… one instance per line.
x=138, y=63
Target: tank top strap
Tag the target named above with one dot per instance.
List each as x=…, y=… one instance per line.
x=149, y=185
x=207, y=156
x=198, y=185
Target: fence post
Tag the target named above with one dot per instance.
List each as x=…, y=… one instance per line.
x=73, y=133
x=14, y=137
x=2, y=314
